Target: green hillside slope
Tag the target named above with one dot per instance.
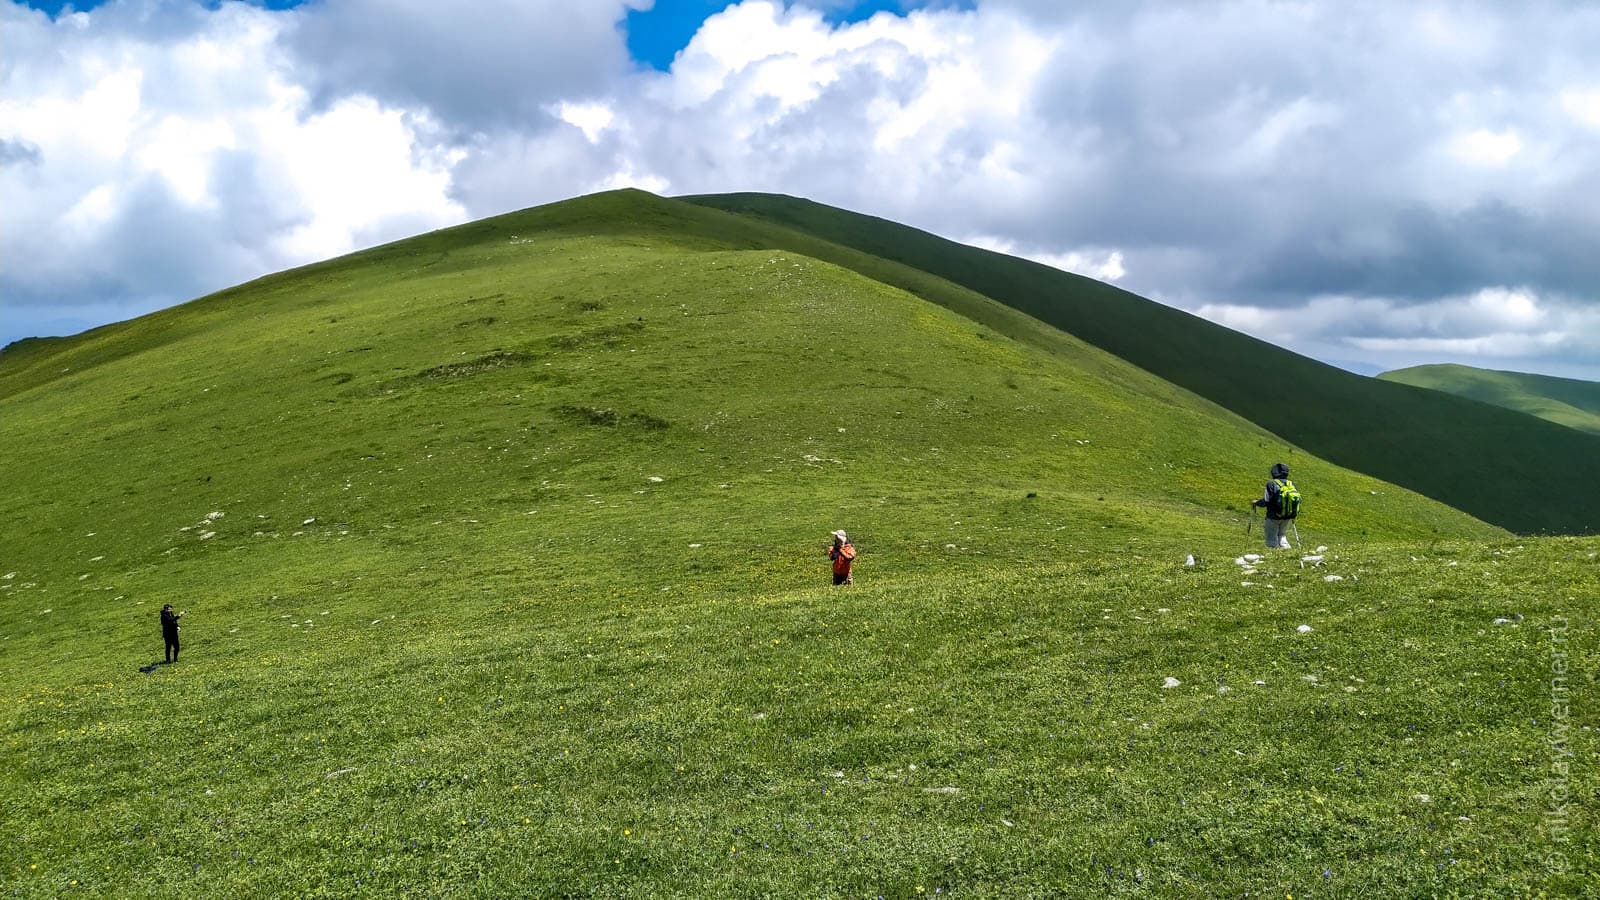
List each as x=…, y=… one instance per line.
x=502, y=551
x=1565, y=401
x=1488, y=462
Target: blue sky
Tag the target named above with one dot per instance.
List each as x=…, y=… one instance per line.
x=657, y=34
x=1369, y=183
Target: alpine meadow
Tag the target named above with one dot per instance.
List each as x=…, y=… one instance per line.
x=503, y=553
x=1565, y=401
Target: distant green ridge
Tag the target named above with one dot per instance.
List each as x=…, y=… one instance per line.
x=1505, y=467
x=1565, y=401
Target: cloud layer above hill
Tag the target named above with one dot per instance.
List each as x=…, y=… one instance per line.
x=1362, y=181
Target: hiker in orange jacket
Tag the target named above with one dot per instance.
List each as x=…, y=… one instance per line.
x=843, y=553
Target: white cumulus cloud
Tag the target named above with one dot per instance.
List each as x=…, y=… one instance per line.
x=1095, y=262
x=173, y=151
x=1494, y=326
x=1484, y=147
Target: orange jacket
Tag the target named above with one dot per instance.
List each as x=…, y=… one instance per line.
x=842, y=556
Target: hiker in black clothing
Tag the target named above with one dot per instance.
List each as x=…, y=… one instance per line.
x=1282, y=502
x=169, y=631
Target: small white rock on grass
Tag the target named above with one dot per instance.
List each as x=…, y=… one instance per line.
x=1332, y=578
x=1170, y=682
x=1303, y=629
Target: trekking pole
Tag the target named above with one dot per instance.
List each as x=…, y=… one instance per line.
x=1249, y=520
x=1298, y=545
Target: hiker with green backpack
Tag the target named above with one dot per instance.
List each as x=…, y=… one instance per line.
x=1282, y=501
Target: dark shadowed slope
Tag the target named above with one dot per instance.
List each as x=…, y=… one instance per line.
x=1505, y=467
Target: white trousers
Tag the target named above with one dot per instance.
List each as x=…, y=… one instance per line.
x=1276, y=532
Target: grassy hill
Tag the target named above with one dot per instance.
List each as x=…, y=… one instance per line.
x=1565, y=401
x=502, y=552
x=1485, y=461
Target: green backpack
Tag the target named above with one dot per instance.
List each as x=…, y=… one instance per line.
x=1287, y=499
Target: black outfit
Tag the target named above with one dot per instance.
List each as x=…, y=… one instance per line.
x=169, y=631
x=1272, y=499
